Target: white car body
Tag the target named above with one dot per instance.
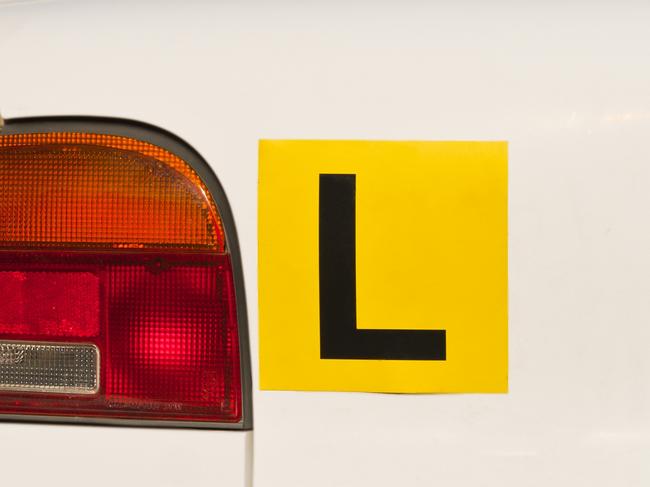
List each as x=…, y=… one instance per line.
x=567, y=85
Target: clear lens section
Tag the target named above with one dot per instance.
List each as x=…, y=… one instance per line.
x=65, y=368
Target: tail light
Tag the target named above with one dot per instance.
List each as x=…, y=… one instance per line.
x=122, y=297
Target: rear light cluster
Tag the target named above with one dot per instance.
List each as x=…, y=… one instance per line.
x=118, y=296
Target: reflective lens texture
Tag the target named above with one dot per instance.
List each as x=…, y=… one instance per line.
x=52, y=304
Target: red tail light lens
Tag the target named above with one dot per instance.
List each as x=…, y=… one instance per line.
x=48, y=304
x=116, y=243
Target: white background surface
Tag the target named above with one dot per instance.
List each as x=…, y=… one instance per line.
x=567, y=85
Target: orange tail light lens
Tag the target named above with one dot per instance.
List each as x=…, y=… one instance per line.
x=75, y=190
x=112, y=242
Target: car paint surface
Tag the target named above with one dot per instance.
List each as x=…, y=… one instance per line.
x=566, y=84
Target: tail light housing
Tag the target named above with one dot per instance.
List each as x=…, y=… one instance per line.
x=123, y=299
